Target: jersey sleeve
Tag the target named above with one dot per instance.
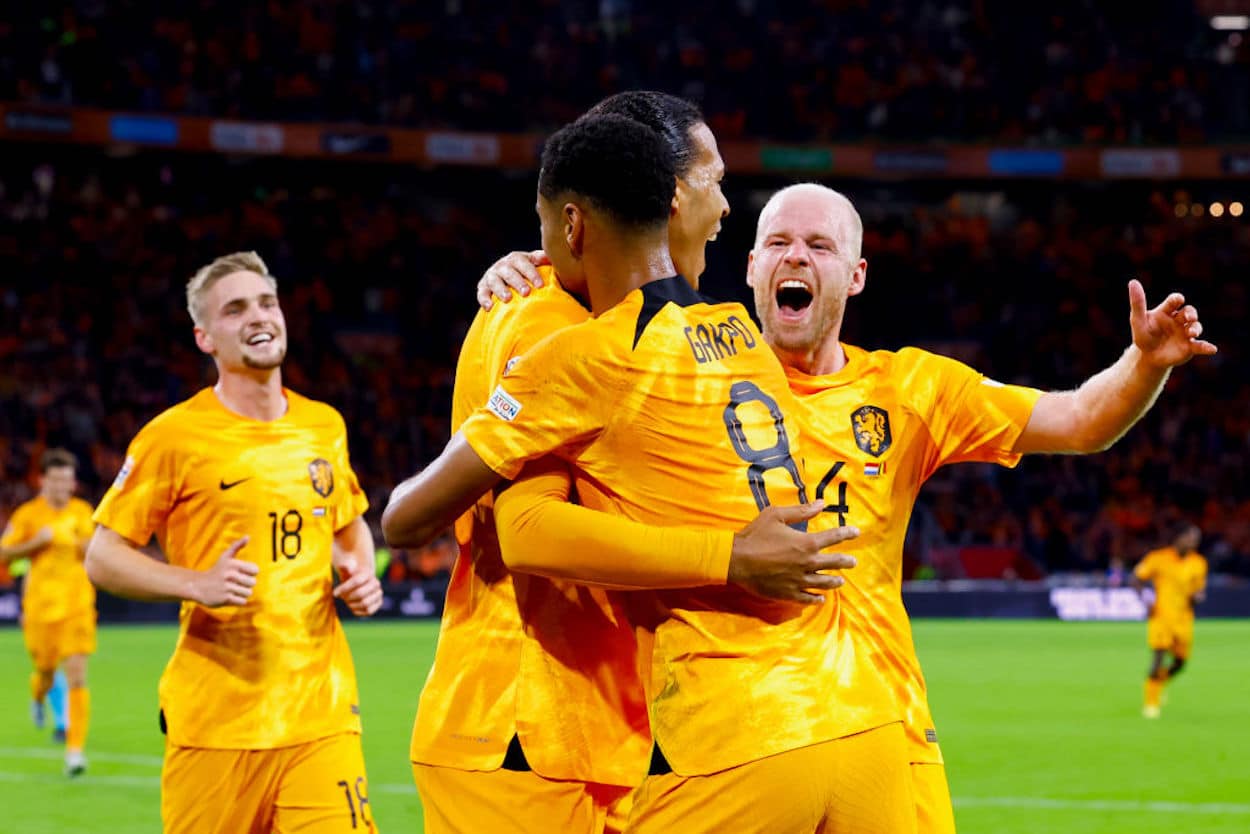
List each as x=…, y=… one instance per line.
x=972, y=417
x=1200, y=576
x=540, y=532
x=352, y=502
x=552, y=399
x=17, y=530
x=1145, y=570
x=143, y=493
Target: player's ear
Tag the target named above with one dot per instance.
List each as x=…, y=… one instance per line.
x=751, y=269
x=675, y=206
x=204, y=341
x=858, y=278
x=574, y=228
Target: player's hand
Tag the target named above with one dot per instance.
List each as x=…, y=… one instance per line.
x=772, y=559
x=1168, y=335
x=515, y=270
x=359, y=588
x=42, y=537
x=228, y=582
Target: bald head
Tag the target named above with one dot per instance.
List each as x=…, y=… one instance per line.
x=816, y=199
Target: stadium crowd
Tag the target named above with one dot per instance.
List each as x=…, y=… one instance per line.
x=95, y=339
x=803, y=70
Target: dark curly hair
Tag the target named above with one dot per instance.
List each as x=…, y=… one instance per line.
x=620, y=166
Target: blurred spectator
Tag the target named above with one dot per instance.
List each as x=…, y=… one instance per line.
x=1063, y=71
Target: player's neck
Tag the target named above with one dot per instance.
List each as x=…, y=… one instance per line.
x=53, y=503
x=257, y=396
x=619, y=267
x=826, y=358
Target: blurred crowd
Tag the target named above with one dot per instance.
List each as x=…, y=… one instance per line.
x=1063, y=71
x=377, y=268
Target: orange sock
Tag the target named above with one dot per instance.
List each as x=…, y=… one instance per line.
x=1154, y=687
x=79, y=718
x=40, y=686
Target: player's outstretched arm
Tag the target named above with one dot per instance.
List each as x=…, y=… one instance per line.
x=1107, y=405
x=541, y=533
x=427, y=503
x=116, y=565
x=514, y=271
x=353, y=560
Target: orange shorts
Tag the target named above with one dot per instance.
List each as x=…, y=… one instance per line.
x=1170, y=635
x=50, y=643
x=520, y=802
x=934, y=814
x=314, y=788
x=855, y=785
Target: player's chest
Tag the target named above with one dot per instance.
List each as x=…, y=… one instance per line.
x=274, y=472
x=861, y=455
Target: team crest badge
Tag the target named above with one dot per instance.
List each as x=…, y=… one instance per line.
x=872, y=429
x=322, y=476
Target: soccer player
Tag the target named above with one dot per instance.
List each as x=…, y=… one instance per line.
x=249, y=490
x=481, y=732
x=876, y=425
x=671, y=409
x=58, y=602
x=1179, y=576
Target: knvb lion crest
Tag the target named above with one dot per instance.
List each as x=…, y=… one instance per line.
x=872, y=429
x=322, y=476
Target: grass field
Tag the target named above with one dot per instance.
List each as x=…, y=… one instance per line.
x=1039, y=722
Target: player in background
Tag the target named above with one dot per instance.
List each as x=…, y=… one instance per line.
x=58, y=602
x=486, y=756
x=58, y=705
x=1178, y=575
x=877, y=424
x=249, y=490
x=58, y=695
x=671, y=409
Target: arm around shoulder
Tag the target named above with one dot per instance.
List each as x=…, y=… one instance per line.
x=428, y=502
x=540, y=532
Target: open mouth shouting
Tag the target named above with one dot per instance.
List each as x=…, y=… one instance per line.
x=794, y=299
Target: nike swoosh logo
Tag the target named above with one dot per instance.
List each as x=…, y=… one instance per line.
x=232, y=484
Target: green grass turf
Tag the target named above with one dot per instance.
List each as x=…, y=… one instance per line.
x=1039, y=721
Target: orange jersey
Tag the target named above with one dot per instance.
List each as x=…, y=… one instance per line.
x=672, y=409
x=275, y=671
x=490, y=680
x=1176, y=579
x=57, y=586
x=872, y=434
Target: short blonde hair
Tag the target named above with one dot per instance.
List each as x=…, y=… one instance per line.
x=202, y=281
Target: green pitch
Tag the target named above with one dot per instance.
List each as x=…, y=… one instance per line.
x=1039, y=722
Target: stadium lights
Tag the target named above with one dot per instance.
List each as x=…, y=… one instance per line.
x=1235, y=209
x=1197, y=209
x=1181, y=209
x=1217, y=209
x=1230, y=22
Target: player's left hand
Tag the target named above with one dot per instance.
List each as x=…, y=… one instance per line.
x=514, y=271
x=359, y=588
x=1168, y=335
